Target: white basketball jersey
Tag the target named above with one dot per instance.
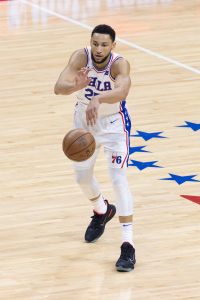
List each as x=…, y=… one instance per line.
x=101, y=81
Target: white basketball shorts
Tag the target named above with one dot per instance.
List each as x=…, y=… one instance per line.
x=111, y=131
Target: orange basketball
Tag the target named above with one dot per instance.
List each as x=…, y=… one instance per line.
x=78, y=144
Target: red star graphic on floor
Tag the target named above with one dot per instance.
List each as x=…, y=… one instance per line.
x=195, y=199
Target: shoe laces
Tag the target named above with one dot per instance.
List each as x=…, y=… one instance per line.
x=126, y=252
x=96, y=220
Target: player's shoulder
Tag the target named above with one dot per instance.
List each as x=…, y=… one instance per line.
x=79, y=57
x=79, y=54
x=120, y=61
x=119, y=65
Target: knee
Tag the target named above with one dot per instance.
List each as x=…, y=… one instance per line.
x=119, y=182
x=82, y=178
x=119, y=178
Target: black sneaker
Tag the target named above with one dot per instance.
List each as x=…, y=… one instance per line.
x=98, y=223
x=126, y=260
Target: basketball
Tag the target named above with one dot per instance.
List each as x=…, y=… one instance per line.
x=78, y=144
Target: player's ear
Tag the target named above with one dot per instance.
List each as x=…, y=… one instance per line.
x=113, y=45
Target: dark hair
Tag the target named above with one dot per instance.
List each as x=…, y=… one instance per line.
x=104, y=29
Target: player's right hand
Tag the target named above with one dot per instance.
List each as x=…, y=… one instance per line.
x=82, y=79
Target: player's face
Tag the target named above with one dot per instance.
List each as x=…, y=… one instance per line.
x=101, y=46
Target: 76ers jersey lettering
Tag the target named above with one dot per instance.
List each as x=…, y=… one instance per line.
x=98, y=85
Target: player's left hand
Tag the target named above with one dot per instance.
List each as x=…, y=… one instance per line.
x=92, y=111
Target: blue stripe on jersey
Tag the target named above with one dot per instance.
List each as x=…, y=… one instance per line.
x=126, y=116
x=127, y=123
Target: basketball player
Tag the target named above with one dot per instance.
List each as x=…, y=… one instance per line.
x=102, y=78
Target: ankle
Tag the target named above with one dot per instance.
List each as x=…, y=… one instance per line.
x=127, y=233
x=99, y=205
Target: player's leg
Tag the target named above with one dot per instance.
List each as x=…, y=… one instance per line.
x=85, y=178
x=117, y=152
x=84, y=172
x=124, y=205
x=103, y=211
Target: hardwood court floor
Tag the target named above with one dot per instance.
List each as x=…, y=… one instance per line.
x=43, y=214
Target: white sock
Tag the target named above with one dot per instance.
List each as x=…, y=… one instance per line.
x=127, y=232
x=100, y=205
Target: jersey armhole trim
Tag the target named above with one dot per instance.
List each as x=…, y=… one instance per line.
x=87, y=55
x=116, y=58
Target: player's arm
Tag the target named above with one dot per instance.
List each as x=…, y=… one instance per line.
x=121, y=72
x=75, y=75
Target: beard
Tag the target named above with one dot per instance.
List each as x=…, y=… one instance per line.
x=101, y=61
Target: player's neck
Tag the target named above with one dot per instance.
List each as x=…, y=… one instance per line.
x=101, y=66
